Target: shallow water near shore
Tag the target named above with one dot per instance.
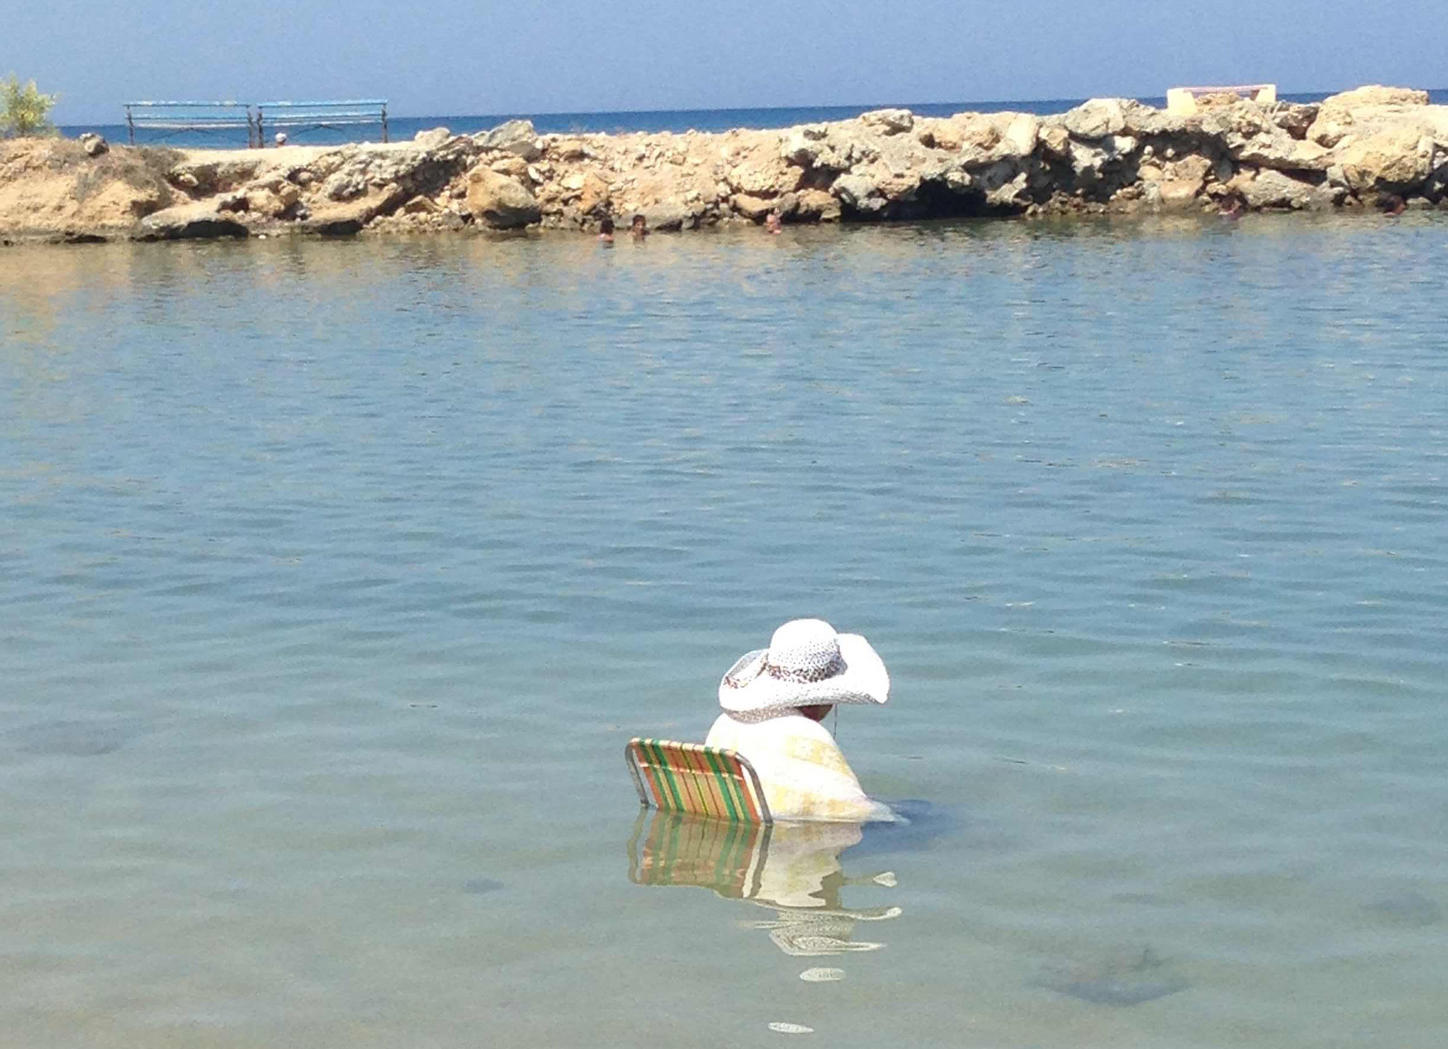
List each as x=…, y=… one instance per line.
x=337, y=574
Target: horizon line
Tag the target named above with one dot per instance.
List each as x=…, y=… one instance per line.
x=865, y=106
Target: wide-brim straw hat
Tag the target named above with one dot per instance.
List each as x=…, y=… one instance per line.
x=807, y=663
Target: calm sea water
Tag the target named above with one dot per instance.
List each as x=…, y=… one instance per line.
x=337, y=574
x=676, y=120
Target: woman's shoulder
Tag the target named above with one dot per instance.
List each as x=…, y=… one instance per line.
x=774, y=733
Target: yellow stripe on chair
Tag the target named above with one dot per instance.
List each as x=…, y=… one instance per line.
x=700, y=780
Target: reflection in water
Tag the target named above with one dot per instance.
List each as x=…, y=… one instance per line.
x=792, y=868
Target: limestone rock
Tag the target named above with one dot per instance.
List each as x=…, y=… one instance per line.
x=1177, y=193
x=93, y=144
x=1435, y=187
x=1192, y=168
x=215, y=176
x=1395, y=158
x=1294, y=118
x=593, y=195
x=1145, y=121
x=433, y=138
x=944, y=134
x=1376, y=95
x=1242, y=118
x=565, y=149
x=261, y=202
x=1364, y=110
x=1095, y=118
x=815, y=205
x=860, y=193
x=670, y=215
x=838, y=148
x=888, y=121
x=513, y=166
x=1090, y=161
x=1273, y=189
x=515, y=136
x=751, y=207
x=1329, y=129
x=762, y=171
x=199, y=220
x=500, y=201
x=420, y=205
x=1055, y=139
x=1176, y=184
x=977, y=130
x=1005, y=185
x=802, y=146
x=1275, y=148
x=1019, y=137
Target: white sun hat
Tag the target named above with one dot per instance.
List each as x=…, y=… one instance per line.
x=806, y=663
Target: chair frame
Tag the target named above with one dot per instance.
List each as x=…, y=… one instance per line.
x=690, y=777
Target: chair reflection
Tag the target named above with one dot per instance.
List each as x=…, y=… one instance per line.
x=792, y=868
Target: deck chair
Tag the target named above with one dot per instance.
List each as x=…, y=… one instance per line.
x=700, y=780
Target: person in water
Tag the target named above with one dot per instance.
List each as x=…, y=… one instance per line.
x=605, y=230
x=775, y=700
x=639, y=228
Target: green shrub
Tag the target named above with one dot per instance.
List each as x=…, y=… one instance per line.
x=24, y=110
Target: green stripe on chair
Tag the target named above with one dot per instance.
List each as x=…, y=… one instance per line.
x=695, y=779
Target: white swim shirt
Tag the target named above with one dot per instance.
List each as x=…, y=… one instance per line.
x=804, y=775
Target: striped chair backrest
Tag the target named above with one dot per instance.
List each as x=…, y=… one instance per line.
x=693, y=778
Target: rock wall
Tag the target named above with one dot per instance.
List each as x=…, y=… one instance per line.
x=1371, y=147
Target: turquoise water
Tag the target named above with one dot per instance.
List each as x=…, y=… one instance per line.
x=337, y=574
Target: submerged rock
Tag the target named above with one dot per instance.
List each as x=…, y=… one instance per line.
x=81, y=739
x=1409, y=907
x=1116, y=979
x=482, y=886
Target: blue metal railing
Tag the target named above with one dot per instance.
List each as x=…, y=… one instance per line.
x=170, y=118
x=317, y=116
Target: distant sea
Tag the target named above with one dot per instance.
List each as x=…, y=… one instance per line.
x=675, y=120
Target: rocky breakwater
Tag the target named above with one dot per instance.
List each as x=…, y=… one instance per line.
x=1370, y=147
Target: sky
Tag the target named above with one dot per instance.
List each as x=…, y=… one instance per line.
x=459, y=57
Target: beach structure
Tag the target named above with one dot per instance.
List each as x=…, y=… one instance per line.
x=166, y=119
x=170, y=118
x=302, y=117
x=1182, y=101
x=695, y=779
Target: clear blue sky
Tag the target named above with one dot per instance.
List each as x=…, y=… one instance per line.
x=444, y=57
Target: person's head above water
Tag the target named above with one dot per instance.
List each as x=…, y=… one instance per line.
x=807, y=669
